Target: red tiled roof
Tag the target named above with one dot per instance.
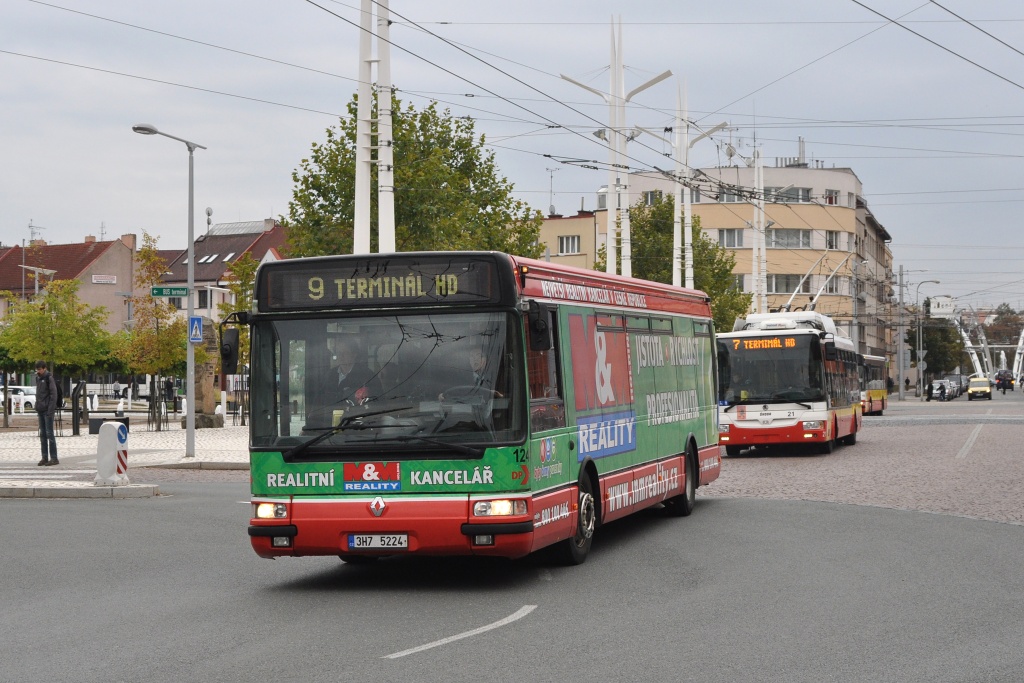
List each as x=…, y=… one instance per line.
x=213, y=253
x=68, y=260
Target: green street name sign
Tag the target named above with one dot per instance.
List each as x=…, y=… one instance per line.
x=169, y=291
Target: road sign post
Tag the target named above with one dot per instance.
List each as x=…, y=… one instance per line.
x=195, y=329
x=168, y=291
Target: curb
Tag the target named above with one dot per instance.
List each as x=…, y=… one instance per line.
x=84, y=491
x=201, y=465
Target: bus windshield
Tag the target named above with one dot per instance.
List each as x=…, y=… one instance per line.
x=770, y=369
x=394, y=384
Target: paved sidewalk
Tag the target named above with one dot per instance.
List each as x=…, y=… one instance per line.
x=223, y=448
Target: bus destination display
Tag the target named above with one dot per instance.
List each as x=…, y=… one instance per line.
x=363, y=283
x=764, y=344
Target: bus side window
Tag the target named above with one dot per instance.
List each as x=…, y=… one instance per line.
x=547, y=409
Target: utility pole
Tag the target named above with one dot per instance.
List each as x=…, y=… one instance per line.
x=900, y=343
x=616, y=136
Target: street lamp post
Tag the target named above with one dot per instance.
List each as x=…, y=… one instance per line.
x=190, y=355
x=920, y=343
x=684, y=224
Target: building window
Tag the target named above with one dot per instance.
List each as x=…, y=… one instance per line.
x=832, y=239
x=737, y=282
x=832, y=286
x=793, y=195
x=728, y=196
x=652, y=197
x=228, y=257
x=568, y=244
x=175, y=301
x=788, y=238
x=832, y=197
x=204, y=298
x=694, y=195
x=731, y=238
x=787, y=284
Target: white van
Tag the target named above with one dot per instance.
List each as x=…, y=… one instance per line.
x=22, y=397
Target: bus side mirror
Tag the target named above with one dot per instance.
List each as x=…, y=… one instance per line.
x=229, y=351
x=539, y=319
x=830, y=351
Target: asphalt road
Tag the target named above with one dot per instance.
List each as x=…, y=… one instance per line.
x=757, y=585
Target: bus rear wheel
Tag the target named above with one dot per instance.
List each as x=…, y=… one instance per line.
x=682, y=505
x=574, y=550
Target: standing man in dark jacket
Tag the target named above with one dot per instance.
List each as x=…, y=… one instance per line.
x=46, y=408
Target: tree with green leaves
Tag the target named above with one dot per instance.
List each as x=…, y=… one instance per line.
x=57, y=327
x=651, y=238
x=155, y=342
x=942, y=344
x=449, y=194
x=1005, y=326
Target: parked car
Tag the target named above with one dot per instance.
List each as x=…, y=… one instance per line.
x=22, y=396
x=979, y=387
x=960, y=382
x=936, y=383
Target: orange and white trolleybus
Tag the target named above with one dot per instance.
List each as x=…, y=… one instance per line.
x=787, y=378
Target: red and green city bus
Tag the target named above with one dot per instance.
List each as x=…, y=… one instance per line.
x=501, y=404
x=787, y=378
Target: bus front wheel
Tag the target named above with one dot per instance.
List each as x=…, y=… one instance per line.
x=574, y=550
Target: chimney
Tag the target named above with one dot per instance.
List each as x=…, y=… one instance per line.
x=129, y=240
x=90, y=239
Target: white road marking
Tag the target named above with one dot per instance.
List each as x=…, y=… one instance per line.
x=526, y=609
x=970, y=442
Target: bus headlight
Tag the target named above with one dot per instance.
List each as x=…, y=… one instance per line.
x=271, y=510
x=499, y=508
x=812, y=424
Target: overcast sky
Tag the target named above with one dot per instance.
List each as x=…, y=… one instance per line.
x=935, y=139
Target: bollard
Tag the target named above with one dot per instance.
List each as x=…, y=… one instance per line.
x=112, y=455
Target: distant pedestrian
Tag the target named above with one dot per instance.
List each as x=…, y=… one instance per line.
x=942, y=391
x=906, y=383
x=889, y=385
x=46, y=408
x=117, y=389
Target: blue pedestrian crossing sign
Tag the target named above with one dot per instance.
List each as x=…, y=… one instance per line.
x=195, y=329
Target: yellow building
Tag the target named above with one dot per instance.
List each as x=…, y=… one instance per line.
x=817, y=225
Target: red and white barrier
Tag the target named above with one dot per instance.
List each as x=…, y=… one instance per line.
x=112, y=455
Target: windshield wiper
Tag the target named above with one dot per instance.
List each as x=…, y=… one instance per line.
x=346, y=422
x=458, y=447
